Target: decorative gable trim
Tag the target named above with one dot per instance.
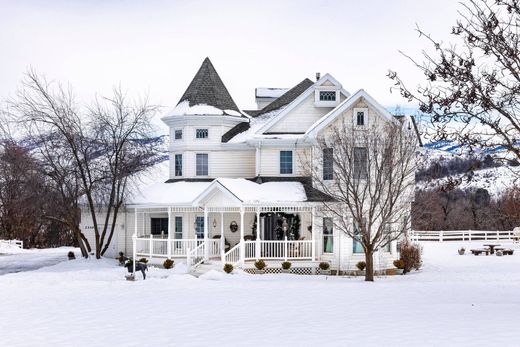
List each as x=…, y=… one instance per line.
x=211, y=190
x=332, y=115
x=291, y=106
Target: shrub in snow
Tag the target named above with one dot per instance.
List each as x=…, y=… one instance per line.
x=286, y=265
x=462, y=250
x=71, y=255
x=228, y=268
x=260, y=264
x=411, y=255
x=324, y=265
x=143, y=260
x=399, y=263
x=361, y=265
x=168, y=264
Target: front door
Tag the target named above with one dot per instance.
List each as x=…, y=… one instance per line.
x=273, y=223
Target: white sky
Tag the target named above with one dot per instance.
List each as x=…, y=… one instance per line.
x=156, y=47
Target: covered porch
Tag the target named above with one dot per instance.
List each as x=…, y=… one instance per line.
x=229, y=234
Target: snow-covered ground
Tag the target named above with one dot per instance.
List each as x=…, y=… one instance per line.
x=14, y=259
x=454, y=300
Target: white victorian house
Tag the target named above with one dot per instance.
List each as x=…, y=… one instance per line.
x=238, y=189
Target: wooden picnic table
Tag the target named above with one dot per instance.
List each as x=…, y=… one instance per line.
x=492, y=247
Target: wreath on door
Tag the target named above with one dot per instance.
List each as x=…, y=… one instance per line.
x=233, y=226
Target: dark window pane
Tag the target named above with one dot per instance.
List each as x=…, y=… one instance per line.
x=202, y=164
x=328, y=96
x=286, y=162
x=328, y=164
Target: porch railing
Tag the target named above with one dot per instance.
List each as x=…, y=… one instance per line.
x=279, y=249
x=233, y=255
x=158, y=247
x=195, y=256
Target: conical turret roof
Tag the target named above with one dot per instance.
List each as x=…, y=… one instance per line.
x=207, y=88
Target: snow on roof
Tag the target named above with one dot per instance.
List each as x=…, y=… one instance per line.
x=184, y=108
x=255, y=124
x=270, y=92
x=251, y=192
x=178, y=193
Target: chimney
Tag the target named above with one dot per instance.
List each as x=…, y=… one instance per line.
x=318, y=76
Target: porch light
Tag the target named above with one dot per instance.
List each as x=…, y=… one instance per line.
x=214, y=223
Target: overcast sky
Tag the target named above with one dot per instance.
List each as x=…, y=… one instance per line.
x=156, y=47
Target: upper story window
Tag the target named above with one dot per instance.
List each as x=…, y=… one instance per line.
x=360, y=163
x=178, y=164
x=178, y=134
x=201, y=168
x=328, y=164
x=327, y=95
x=360, y=117
x=201, y=133
x=286, y=162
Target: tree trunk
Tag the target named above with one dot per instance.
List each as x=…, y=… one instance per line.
x=369, y=260
x=81, y=245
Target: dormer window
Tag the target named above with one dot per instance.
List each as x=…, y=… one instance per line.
x=327, y=95
x=201, y=133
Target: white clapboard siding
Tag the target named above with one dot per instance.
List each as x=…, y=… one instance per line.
x=270, y=161
x=301, y=117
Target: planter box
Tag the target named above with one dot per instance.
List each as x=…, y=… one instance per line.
x=259, y=272
x=286, y=271
x=325, y=272
x=399, y=271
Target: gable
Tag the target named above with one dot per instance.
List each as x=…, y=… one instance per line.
x=307, y=109
x=300, y=118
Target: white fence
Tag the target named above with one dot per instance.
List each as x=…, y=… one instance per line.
x=462, y=235
x=17, y=243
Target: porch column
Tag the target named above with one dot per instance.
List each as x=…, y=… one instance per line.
x=222, y=240
x=134, y=241
x=258, y=244
x=206, y=235
x=313, y=230
x=169, y=244
x=242, y=242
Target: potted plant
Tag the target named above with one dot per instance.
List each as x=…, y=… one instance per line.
x=461, y=251
x=361, y=265
x=260, y=267
x=228, y=268
x=399, y=264
x=71, y=255
x=168, y=264
x=286, y=267
x=121, y=259
x=324, y=268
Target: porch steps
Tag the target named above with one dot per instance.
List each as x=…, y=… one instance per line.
x=205, y=267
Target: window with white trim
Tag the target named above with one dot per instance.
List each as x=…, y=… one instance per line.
x=361, y=117
x=178, y=164
x=357, y=247
x=201, y=133
x=328, y=164
x=327, y=95
x=328, y=235
x=201, y=164
x=199, y=230
x=178, y=134
x=286, y=162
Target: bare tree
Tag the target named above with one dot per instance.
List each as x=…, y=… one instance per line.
x=370, y=174
x=95, y=149
x=472, y=87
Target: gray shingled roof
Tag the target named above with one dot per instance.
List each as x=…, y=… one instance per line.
x=207, y=88
x=285, y=99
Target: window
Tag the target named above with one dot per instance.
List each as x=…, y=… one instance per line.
x=327, y=96
x=357, y=247
x=178, y=134
x=201, y=133
x=328, y=238
x=286, y=165
x=387, y=236
x=360, y=118
x=360, y=163
x=328, y=164
x=178, y=228
x=202, y=164
x=178, y=164
x=199, y=230
x=159, y=226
